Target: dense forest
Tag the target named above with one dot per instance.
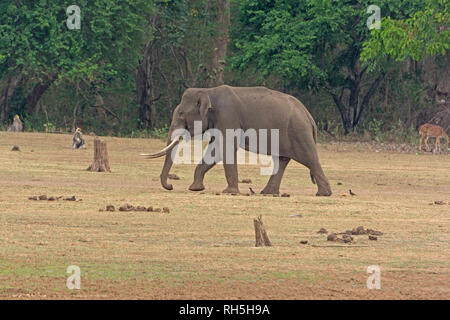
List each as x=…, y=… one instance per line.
x=123, y=70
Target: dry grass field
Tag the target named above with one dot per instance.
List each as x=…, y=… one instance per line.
x=204, y=248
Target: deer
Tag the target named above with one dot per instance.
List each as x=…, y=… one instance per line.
x=431, y=130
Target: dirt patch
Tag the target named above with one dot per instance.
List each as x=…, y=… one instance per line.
x=204, y=249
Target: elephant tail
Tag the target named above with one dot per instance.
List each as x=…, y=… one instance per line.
x=314, y=130
x=312, y=178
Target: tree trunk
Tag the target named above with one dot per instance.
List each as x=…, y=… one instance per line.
x=75, y=109
x=38, y=90
x=100, y=106
x=144, y=79
x=351, y=114
x=220, y=43
x=101, y=158
x=262, y=239
x=6, y=95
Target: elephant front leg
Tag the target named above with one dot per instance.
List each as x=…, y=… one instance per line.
x=273, y=186
x=210, y=159
x=231, y=174
x=229, y=156
x=199, y=175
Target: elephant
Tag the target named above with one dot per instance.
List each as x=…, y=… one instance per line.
x=226, y=107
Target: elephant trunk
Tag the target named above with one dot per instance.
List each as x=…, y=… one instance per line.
x=169, y=161
x=172, y=142
x=165, y=171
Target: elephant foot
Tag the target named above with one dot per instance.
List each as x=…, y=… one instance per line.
x=197, y=187
x=231, y=190
x=270, y=190
x=324, y=192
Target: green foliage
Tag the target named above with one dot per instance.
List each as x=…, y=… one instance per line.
x=36, y=40
x=423, y=34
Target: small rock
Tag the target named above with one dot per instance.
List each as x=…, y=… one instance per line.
x=246, y=181
x=15, y=148
x=72, y=198
x=372, y=237
x=32, y=198
x=139, y=208
x=332, y=237
x=166, y=210
x=101, y=210
x=217, y=193
x=51, y=199
x=347, y=238
x=322, y=230
x=157, y=210
x=339, y=183
x=43, y=197
x=304, y=242
x=285, y=195
x=358, y=231
x=126, y=207
x=439, y=202
x=150, y=209
x=110, y=208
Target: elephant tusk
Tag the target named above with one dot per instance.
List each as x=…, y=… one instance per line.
x=163, y=151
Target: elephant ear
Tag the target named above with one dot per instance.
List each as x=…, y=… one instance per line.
x=204, y=105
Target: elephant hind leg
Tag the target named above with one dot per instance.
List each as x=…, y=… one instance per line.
x=273, y=186
x=323, y=185
x=306, y=154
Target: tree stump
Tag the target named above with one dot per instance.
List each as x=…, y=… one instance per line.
x=101, y=159
x=262, y=239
